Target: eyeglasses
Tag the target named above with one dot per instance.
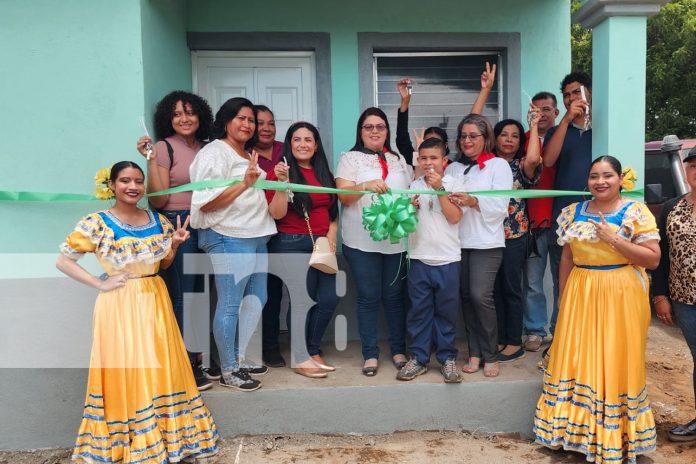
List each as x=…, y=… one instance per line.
x=471, y=137
x=373, y=127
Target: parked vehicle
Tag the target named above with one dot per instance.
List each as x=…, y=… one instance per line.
x=665, y=177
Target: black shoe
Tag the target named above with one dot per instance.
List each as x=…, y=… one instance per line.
x=686, y=432
x=273, y=359
x=252, y=368
x=504, y=358
x=201, y=381
x=239, y=380
x=211, y=373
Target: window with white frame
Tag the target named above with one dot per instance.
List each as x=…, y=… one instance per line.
x=445, y=86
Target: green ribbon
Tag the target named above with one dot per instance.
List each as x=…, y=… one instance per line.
x=9, y=195
x=392, y=217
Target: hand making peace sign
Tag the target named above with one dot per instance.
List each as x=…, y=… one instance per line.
x=252, y=173
x=604, y=231
x=181, y=234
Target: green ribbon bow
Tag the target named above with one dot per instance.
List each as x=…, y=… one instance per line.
x=392, y=217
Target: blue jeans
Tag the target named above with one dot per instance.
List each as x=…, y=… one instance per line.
x=686, y=319
x=321, y=288
x=509, y=307
x=535, y=314
x=379, y=278
x=174, y=278
x=240, y=266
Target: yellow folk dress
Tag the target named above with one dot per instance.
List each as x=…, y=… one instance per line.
x=594, y=398
x=142, y=404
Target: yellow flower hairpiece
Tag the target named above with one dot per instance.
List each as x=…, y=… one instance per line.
x=629, y=179
x=101, y=180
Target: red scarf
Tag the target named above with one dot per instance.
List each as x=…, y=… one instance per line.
x=481, y=160
x=382, y=157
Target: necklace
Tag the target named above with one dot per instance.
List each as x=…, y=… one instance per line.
x=597, y=209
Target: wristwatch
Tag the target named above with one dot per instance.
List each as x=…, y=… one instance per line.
x=441, y=189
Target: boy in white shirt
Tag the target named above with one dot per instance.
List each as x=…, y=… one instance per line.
x=433, y=278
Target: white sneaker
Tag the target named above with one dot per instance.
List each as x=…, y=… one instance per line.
x=533, y=343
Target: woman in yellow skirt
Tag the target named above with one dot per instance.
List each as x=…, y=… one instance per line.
x=142, y=404
x=594, y=398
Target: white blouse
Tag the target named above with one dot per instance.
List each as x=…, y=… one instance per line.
x=247, y=216
x=483, y=229
x=358, y=167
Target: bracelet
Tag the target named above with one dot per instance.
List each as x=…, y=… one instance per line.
x=658, y=298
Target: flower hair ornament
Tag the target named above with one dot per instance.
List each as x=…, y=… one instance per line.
x=101, y=180
x=629, y=179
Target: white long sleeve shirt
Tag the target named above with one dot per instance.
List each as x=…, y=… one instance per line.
x=483, y=229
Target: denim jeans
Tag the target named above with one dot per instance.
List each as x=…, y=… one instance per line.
x=535, y=313
x=686, y=319
x=321, y=289
x=555, y=252
x=378, y=278
x=240, y=266
x=509, y=307
x=174, y=278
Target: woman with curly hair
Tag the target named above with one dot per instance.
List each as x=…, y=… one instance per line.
x=182, y=126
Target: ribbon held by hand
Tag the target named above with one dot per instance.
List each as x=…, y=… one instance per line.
x=392, y=217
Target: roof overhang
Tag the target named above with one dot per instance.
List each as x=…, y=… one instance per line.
x=594, y=12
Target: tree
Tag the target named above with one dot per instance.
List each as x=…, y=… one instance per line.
x=670, y=100
x=671, y=72
x=580, y=44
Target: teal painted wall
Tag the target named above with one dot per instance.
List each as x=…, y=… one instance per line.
x=77, y=77
x=72, y=90
x=166, y=57
x=544, y=26
x=618, y=109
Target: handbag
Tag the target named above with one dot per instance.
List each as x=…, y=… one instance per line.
x=532, y=249
x=322, y=259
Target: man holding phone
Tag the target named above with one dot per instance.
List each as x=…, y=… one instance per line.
x=568, y=147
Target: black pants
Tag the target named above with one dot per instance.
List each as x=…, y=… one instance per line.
x=509, y=305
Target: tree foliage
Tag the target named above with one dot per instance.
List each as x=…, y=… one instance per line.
x=671, y=72
x=580, y=44
x=670, y=102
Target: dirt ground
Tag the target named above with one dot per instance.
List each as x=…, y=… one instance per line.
x=669, y=384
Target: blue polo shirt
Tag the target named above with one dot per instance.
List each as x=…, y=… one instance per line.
x=572, y=166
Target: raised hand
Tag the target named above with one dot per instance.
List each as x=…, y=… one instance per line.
x=181, y=234
x=419, y=135
x=575, y=109
x=488, y=77
x=252, y=173
x=402, y=87
x=145, y=143
x=282, y=171
x=533, y=115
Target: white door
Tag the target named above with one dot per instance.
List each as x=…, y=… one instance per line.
x=283, y=81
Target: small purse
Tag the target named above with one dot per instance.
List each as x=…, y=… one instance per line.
x=322, y=258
